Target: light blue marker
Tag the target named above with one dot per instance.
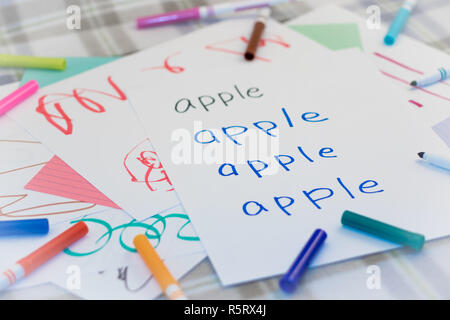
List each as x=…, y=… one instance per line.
x=440, y=75
x=399, y=21
x=437, y=160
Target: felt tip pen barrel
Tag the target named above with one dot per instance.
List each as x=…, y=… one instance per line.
x=10, y=60
x=399, y=21
x=257, y=32
x=288, y=283
x=168, y=284
x=383, y=230
x=436, y=160
x=18, y=96
x=440, y=75
x=26, y=265
x=24, y=227
x=204, y=12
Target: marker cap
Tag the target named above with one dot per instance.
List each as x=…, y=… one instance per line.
x=53, y=247
x=166, y=18
x=9, y=60
x=288, y=283
x=23, y=227
x=383, y=230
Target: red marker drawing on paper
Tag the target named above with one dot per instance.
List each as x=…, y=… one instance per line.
x=167, y=66
x=60, y=119
x=224, y=46
x=416, y=103
x=407, y=82
x=143, y=166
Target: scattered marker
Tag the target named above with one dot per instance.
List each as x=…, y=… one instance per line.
x=383, y=230
x=34, y=260
x=440, y=75
x=437, y=160
x=23, y=227
x=289, y=282
x=257, y=32
x=399, y=21
x=10, y=60
x=18, y=96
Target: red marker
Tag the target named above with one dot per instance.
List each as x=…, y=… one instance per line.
x=26, y=265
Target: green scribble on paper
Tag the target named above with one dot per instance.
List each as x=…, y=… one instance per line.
x=149, y=229
x=336, y=36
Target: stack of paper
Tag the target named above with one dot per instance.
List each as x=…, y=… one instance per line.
x=193, y=143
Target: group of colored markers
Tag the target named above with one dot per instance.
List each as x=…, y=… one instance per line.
x=167, y=282
x=39, y=227
x=396, y=27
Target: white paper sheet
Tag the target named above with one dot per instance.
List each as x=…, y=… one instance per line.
x=349, y=137
x=400, y=63
x=87, y=122
x=170, y=230
x=22, y=156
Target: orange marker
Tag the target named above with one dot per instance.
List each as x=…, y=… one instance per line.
x=26, y=265
x=166, y=281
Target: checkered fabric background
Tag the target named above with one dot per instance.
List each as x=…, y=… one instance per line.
x=38, y=27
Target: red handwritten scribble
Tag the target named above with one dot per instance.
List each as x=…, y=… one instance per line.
x=60, y=119
x=416, y=103
x=167, y=66
x=222, y=46
x=404, y=66
x=263, y=42
x=147, y=166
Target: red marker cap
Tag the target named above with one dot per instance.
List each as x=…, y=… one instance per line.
x=53, y=247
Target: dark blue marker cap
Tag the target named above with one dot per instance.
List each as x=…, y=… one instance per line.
x=23, y=227
x=289, y=282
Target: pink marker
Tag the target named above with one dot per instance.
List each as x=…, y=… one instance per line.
x=18, y=96
x=204, y=12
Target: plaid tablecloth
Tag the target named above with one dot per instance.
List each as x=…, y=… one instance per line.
x=36, y=27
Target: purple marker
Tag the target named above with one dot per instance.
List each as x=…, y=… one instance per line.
x=204, y=12
x=290, y=280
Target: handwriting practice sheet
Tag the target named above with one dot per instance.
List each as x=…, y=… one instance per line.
x=87, y=122
x=262, y=158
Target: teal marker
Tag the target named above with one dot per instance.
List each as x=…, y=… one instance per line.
x=383, y=230
x=399, y=21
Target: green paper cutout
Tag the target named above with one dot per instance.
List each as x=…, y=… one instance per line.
x=74, y=66
x=337, y=36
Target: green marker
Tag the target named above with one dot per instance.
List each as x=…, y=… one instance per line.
x=383, y=230
x=10, y=60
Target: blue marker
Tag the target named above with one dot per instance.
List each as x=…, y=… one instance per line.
x=437, y=160
x=24, y=227
x=290, y=280
x=399, y=21
x=440, y=75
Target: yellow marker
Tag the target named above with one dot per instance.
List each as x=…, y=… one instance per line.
x=166, y=281
x=10, y=60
